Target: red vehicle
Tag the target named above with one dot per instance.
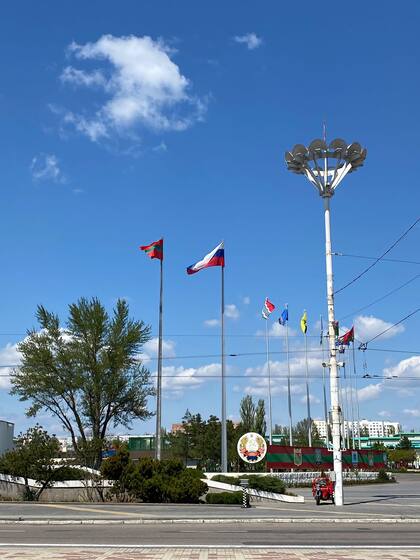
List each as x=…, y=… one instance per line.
x=323, y=489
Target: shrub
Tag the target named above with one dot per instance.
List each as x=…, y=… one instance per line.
x=383, y=476
x=265, y=483
x=224, y=498
x=155, y=481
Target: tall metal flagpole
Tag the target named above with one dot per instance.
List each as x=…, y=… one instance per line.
x=308, y=404
x=159, y=373
x=289, y=393
x=323, y=383
x=224, y=433
x=351, y=401
x=267, y=345
x=357, y=397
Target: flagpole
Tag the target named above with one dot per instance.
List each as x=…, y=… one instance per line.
x=351, y=401
x=223, y=426
x=347, y=409
x=267, y=346
x=308, y=404
x=357, y=396
x=289, y=394
x=324, y=385
x=159, y=373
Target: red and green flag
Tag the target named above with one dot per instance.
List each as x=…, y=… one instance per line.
x=154, y=250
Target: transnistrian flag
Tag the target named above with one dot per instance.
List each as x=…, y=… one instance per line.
x=284, y=317
x=154, y=250
x=347, y=337
x=215, y=258
x=267, y=309
x=304, y=323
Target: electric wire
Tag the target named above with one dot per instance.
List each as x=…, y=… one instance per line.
x=379, y=258
x=391, y=327
x=405, y=261
x=381, y=298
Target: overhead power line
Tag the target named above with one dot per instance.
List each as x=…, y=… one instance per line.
x=375, y=258
x=381, y=298
x=364, y=345
x=379, y=258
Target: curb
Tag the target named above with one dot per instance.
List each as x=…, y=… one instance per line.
x=391, y=520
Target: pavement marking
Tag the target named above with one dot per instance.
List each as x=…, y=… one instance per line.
x=219, y=546
x=319, y=511
x=91, y=510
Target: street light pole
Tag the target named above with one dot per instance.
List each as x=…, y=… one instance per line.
x=335, y=401
x=313, y=162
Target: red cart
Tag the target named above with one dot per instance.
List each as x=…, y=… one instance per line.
x=323, y=489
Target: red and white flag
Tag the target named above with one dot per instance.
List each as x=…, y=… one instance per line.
x=267, y=309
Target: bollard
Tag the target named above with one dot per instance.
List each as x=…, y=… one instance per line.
x=245, y=497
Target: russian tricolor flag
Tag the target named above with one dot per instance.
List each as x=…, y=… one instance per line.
x=215, y=258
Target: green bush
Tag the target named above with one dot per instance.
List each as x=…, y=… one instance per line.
x=224, y=498
x=265, y=483
x=154, y=481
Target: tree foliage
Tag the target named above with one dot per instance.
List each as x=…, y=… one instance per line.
x=252, y=416
x=404, y=443
x=34, y=457
x=300, y=433
x=87, y=374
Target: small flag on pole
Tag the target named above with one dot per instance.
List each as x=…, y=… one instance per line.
x=154, y=250
x=304, y=323
x=267, y=309
x=215, y=258
x=347, y=337
x=284, y=317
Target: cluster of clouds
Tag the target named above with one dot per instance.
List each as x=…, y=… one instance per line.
x=140, y=85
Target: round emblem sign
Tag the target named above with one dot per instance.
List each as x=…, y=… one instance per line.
x=252, y=447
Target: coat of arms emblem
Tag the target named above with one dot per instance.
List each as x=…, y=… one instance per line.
x=297, y=456
x=252, y=447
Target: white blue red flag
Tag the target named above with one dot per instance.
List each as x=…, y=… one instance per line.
x=215, y=258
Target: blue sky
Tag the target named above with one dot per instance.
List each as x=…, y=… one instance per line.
x=121, y=125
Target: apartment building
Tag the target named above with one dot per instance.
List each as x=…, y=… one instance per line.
x=370, y=428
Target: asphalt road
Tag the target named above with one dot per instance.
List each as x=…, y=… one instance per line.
x=367, y=501
x=261, y=534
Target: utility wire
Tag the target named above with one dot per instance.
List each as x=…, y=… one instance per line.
x=379, y=258
x=375, y=258
x=381, y=298
x=391, y=327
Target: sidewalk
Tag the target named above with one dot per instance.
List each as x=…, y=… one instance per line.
x=206, y=554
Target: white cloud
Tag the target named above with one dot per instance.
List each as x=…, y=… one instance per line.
x=312, y=399
x=277, y=330
x=250, y=40
x=212, y=322
x=162, y=147
x=9, y=356
x=177, y=379
x=369, y=392
x=385, y=414
x=415, y=412
x=45, y=167
x=246, y=300
x=367, y=327
x=231, y=311
x=279, y=373
x=141, y=84
x=150, y=349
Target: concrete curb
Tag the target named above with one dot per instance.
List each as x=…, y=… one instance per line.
x=317, y=520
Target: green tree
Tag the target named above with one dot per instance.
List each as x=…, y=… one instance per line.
x=88, y=374
x=260, y=425
x=301, y=434
x=252, y=416
x=34, y=457
x=247, y=413
x=404, y=443
x=402, y=457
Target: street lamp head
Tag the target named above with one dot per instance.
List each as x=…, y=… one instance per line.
x=325, y=165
